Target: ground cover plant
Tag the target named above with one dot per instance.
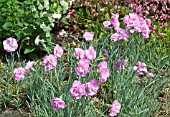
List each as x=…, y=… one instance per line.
x=119, y=70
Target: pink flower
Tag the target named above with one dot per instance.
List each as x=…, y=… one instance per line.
x=77, y=90
x=28, y=66
x=19, y=73
x=102, y=65
x=57, y=103
x=114, y=37
x=115, y=21
x=90, y=54
x=149, y=74
x=115, y=109
x=78, y=53
x=104, y=74
x=62, y=33
x=120, y=65
x=91, y=87
x=140, y=68
x=88, y=36
x=106, y=25
x=83, y=67
x=58, y=51
x=10, y=44
x=37, y=40
x=49, y=62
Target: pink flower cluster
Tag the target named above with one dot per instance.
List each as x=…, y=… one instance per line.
x=120, y=34
x=88, y=89
x=136, y=23
x=88, y=36
x=50, y=61
x=104, y=71
x=57, y=103
x=141, y=69
x=20, y=72
x=120, y=64
x=10, y=44
x=85, y=57
x=115, y=109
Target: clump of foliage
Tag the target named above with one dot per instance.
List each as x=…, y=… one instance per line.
x=25, y=20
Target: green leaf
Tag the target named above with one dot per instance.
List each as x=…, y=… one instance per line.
x=64, y=21
x=28, y=50
x=7, y=25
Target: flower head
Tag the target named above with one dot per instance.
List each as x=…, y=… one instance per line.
x=91, y=87
x=28, y=66
x=49, y=62
x=106, y=25
x=120, y=64
x=104, y=74
x=78, y=53
x=58, y=51
x=88, y=36
x=77, y=90
x=115, y=21
x=83, y=67
x=102, y=65
x=57, y=103
x=90, y=54
x=19, y=73
x=115, y=109
x=10, y=44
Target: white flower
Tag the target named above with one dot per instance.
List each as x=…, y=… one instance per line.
x=58, y=16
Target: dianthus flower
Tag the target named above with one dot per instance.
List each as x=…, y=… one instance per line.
x=115, y=109
x=88, y=36
x=19, y=73
x=49, y=62
x=10, y=44
x=106, y=25
x=120, y=34
x=83, y=67
x=57, y=103
x=89, y=54
x=62, y=33
x=78, y=53
x=136, y=23
x=28, y=66
x=120, y=65
x=58, y=51
x=77, y=90
x=104, y=74
x=140, y=68
x=91, y=87
x=115, y=21
x=102, y=65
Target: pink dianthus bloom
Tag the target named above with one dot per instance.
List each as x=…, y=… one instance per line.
x=19, y=73
x=83, y=67
x=115, y=21
x=90, y=54
x=120, y=64
x=10, y=44
x=49, y=62
x=37, y=40
x=150, y=75
x=106, y=25
x=62, y=33
x=77, y=90
x=28, y=66
x=57, y=103
x=102, y=65
x=140, y=68
x=78, y=53
x=104, y=74
x=88, y=36
x=91, y=87
x=115, y=109
x=58, y=51
x=120, y=34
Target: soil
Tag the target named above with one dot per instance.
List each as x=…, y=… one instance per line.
x=15, y=113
